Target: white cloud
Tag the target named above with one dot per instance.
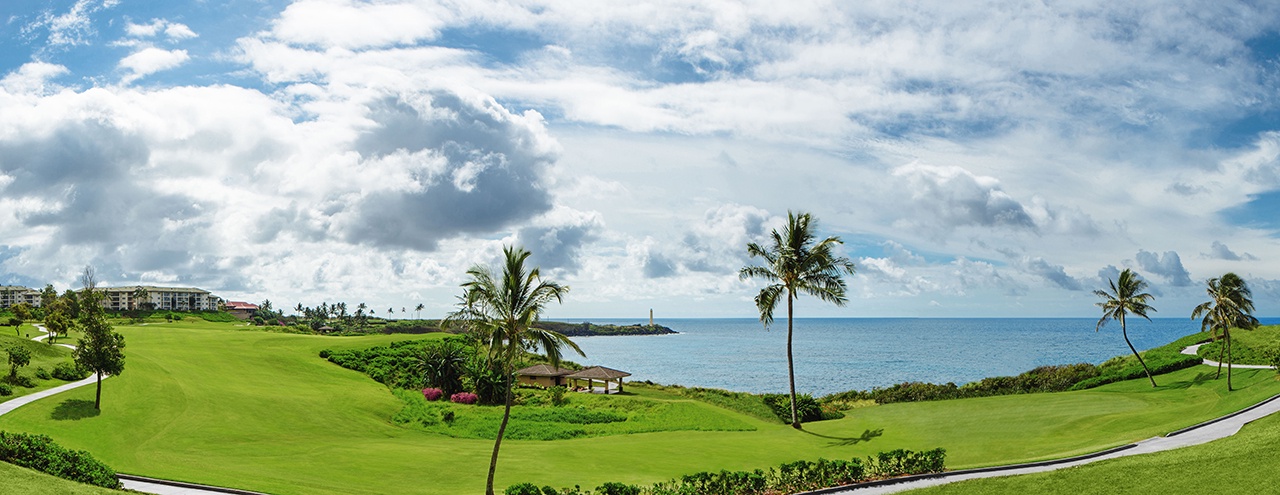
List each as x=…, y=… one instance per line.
x=171, y=30
x=33, y=78
x=152, y=60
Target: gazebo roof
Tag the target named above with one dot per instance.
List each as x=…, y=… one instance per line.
x=543, y=370
x=599, y=373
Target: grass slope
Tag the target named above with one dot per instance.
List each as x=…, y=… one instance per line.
x=1241, y=464
x=42, y=356
x=209, y=403
x=14, y=479
x=1247, y=346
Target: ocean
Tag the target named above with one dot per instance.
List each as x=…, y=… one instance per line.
x=838, y=354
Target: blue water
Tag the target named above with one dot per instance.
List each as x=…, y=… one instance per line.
x=838, y=354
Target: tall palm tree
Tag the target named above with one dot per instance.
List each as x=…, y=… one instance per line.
x=418, y=308
x=503, y=309
x=794, y=265
x=1126, y=297
x=1230, y=306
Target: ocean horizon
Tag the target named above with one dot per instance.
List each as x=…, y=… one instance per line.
x=839, y=354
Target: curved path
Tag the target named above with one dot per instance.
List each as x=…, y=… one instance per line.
x=1193, y=350
x=136, y=483
x=1194, y=435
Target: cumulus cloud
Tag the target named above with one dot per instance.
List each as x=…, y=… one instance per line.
x=1167, y=266
x=1039, y=267
x=151, y=60
x=557, y=239
x=953, y=197
x=74, y=27
x=717, y=244
x=171, y=30
x=1220, y=251
x=33, y=78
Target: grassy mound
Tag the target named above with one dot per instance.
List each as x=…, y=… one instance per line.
x=43, y=357
x=16, y=479
x=1255, y=346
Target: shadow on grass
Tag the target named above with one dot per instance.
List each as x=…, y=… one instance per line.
x=867, y=435
x=1200, y=379
x=74, y=409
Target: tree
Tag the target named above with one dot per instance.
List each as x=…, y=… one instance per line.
x=101, y=349
x=57, y=319
x=73, y=303
x=795, y=265
x=141, y=298
x=48, y=295
x=19, y=356
x=1230, y=306
x=419, y=310
x=443, y=365
x=1126, y=297
x=503, y=311
x=17, y=325
x=22, y=310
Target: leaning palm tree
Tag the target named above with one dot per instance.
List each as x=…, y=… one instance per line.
x=1126, y=297
x=1230, y=306
x=794, y=265
x=503, y=310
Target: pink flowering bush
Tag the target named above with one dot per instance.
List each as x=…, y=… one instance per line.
x=464, y=398
x=432, y=394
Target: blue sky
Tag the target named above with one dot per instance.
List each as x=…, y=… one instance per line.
x=995, y=159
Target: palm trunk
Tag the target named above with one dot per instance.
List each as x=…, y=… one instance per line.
x=97, y=399
x=1222, y=351
x=1125, y=332
x=1228, y=361
x=502, y=428
x=791, y=368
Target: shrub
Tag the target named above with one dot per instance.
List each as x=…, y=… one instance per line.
x=463, y=398
x=40, y=453
x=5, y=390
x=68, y=371
x=807, y=408
x=23, y=381
x=557, y=395
x=432, y=394
x=1273, y=358
x=612, y=488
x=43, y=374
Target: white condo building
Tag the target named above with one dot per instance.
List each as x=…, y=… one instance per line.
x=168, y=298
x=16, y=294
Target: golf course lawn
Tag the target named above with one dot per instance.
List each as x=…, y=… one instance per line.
x=1243, y=464
x=223, y=405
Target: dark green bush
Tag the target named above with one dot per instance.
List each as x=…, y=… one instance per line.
x=612, y=488
x=43, y=374
x=68, y=371
x=40, y=453
x=791, y=477
x=23, y=381
x=5, y=390
x=807, y=408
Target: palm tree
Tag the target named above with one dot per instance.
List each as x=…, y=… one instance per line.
x=1230, y=306
x=419, y=310
x=141, y=298
x=1126, y=297
x=502, y=310
x=794, y=265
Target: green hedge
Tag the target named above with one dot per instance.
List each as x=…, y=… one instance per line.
x=791, y=477
x=40, y=453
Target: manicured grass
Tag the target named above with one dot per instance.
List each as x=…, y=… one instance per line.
x=42, y=356
x=211, y=403
x=1247, y=346
x=14, y=479
x=1243, y=464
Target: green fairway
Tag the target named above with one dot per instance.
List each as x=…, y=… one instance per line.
x=1242, y=464
x=216, y=404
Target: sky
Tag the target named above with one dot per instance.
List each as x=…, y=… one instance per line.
x=978, y=159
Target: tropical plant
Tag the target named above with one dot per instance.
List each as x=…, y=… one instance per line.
x=502, y=310
x=1230, y=305
x=1126, y=296
x=419, y=308
x=101, y=349
x=142, y=298
x=443, y=366
x=794, y=264
x=57, y=318
x=19, y=356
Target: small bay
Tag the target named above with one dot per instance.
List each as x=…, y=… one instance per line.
x=838, y=354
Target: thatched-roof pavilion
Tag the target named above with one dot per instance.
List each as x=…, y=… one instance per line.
x=601, y=373
x=543, y=375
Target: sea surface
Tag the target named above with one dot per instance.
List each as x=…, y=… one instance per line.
x=838, y=354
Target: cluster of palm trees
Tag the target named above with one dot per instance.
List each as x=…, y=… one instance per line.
x=1230, y=305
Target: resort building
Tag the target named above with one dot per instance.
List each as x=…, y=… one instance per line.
x=545, y=375
x=240, y=309
x=16, y=294
x=160, y=298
